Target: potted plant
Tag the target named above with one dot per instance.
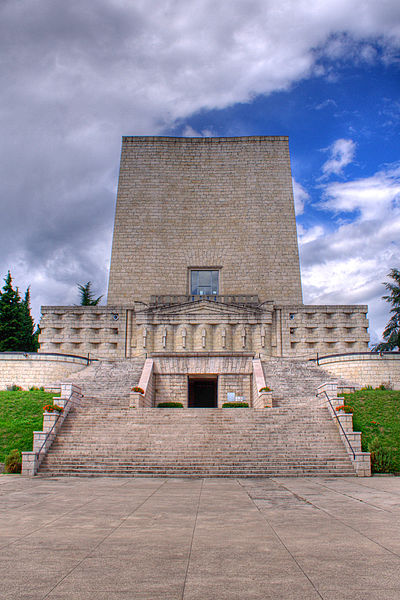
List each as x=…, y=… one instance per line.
x=50, y=408
x=344, y=409
x=138, y=390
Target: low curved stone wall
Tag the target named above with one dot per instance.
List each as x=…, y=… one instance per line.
x=365, y=368
x=36, y=369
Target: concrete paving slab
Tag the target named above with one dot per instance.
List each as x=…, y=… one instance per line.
x=199, y=539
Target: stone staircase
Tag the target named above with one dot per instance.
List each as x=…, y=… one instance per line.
x=103, y=436
x=108, y=381
x=294, y=382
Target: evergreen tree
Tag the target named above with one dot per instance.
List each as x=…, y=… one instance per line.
x=87, y=295
x=16, y=324
x=29, y=337
x=10, y=317
x=391, y=334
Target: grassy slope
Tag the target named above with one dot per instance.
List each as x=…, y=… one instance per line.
x=376, y=413
x=21, y=413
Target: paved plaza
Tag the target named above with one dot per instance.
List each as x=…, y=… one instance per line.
x=145, y=539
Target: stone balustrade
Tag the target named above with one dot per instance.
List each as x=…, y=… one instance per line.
x=52, y=421
x=146, y=383
x=260, y=399
x=352, y=440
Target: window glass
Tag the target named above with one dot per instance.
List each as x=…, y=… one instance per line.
x=204, y=278
x=214, y=275
x=203, y=282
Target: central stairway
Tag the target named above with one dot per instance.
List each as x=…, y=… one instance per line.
x=103, y=436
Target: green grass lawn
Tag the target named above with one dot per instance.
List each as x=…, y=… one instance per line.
x=21, y=413
x=376, y=413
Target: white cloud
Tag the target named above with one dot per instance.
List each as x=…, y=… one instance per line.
x=77, y=75
x=341, y=154
x=373, y=197
x=329, y=102
x=301, y=196
x=349, y=264
x=190, y=132
x=309, y=235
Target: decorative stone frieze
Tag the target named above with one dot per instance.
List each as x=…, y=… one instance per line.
x=208, y=326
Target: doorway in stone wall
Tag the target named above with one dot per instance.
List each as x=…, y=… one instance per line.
x=203, y=392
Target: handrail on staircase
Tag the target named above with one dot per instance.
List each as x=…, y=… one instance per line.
x=51, y=430
x=340, y=425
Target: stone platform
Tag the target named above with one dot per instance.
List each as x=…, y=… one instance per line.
x=199, y=539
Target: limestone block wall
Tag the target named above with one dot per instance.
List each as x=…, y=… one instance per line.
x=174, y=388
x=121, y=332
x=34, y=369
x=305, y=330
x=365, y=368
x=171, y=388
x=240, y=384
x=224, y=204
x=97, y=331
x=172, y=375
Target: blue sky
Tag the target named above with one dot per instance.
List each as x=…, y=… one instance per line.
x=77, y=76
x=355, y=111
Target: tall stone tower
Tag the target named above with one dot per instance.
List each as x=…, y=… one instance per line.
x=204, y=263
x=207, y=215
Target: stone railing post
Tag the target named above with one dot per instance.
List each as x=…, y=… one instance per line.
x=260, y=399
x=29, y=463
x=146, y=383
x=351, y=439
x=52, y=422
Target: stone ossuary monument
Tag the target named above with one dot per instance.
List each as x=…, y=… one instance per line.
x=204, y=307
x=204, y=270
x=204, y=259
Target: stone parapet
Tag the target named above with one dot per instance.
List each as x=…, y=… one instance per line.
x=36, y=369
x=369, y=368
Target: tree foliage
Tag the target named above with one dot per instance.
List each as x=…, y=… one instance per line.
x=391, y=334
x=16, y=323
x=29, y=335
x=87, y=295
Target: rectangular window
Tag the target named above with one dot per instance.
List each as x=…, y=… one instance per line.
x=204, y=282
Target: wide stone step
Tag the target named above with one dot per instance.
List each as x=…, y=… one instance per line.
x=148, y=472
x=197, y=464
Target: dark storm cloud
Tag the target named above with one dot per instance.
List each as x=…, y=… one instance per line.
x=76, y=76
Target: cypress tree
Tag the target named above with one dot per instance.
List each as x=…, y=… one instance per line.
x=10, y=317
x=16, y=323
x=87, y=295
x=28, y=339
x=391, y=334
